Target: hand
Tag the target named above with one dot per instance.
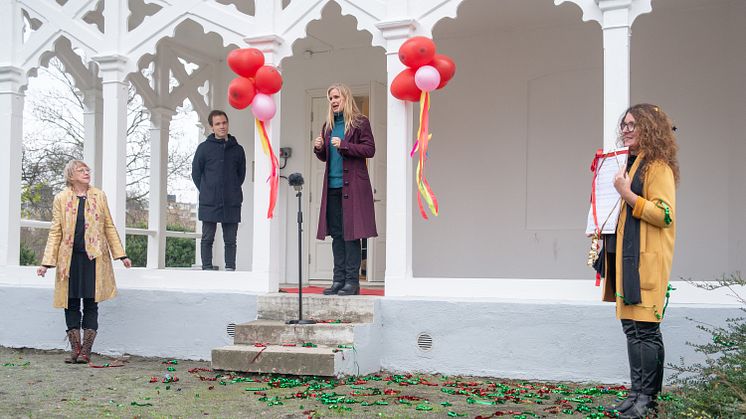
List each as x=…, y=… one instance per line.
x=127, y=263
x=623, y=185
x=41, y=271
x=318, y=143
x=336, y=141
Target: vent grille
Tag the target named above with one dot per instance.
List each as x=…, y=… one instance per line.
x=231, y=329
x=424, y=342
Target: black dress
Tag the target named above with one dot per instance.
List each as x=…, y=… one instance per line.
x=82, y=270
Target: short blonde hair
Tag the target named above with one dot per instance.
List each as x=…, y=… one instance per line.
x=70, y=169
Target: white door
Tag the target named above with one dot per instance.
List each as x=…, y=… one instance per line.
x=321, y=262
x=377, y=166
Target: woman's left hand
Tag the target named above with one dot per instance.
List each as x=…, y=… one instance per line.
x=127, y=263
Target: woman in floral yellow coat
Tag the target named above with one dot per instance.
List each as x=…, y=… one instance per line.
x=81, y=243
x=638, y=257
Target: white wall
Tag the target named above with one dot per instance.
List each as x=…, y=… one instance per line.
x=515, y=131
x=514, y=134
x=692, y=63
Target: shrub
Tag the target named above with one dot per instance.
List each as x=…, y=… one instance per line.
x=717, y=387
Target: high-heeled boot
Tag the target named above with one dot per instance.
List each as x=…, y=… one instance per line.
x=73, y=335
x=89, y=336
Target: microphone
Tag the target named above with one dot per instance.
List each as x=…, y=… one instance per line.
x=296, y=180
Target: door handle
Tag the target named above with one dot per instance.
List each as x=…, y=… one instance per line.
x=376, y=200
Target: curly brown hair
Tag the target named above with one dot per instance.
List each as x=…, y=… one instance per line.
x=655, y=135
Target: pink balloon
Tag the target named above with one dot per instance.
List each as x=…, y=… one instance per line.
x=263, y=107
x=427, y=78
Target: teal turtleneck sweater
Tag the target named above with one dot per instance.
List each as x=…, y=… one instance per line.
x=335, y=159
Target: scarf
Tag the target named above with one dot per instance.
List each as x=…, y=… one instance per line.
x=631, y=246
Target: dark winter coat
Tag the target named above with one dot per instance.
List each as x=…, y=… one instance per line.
x=358, y=216
x=218, y=171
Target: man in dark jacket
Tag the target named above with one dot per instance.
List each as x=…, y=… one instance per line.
x=218, y=171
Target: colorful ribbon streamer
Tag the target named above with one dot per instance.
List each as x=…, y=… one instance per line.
x=423, y=139
x=273, y=178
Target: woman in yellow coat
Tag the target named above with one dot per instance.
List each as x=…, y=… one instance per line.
x=81, y=243
x=639, y=255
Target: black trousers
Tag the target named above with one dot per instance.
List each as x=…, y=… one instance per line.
x=89, y=317
x=230, y=230
x=346, y=253
x=646, y=356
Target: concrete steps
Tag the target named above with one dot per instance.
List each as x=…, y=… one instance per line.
x=265, y=345
x=282, y=306
x=277, y=332
x=322, y=360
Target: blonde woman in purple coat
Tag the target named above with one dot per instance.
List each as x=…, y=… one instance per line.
x=347, y=214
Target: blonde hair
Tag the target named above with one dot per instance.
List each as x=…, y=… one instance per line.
x=70, y=168
x=350, y=110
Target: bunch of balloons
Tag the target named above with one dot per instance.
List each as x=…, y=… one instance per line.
x=254, y=86
x=427, y=71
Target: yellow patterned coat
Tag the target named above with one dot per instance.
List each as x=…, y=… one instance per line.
x=657, y=237
x=101, y=243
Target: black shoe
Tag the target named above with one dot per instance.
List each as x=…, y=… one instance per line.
x=625, y=404
x=350, y=289
x=209, y=268
x=230, y=269
x=336, y=286
x=644, y=405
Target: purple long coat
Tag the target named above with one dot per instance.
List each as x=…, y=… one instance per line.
x=358, y=216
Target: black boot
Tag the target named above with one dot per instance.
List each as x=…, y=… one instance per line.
x=644, y=405
x=336, y=286
x=625, y=404
x=352, y=287
x=635, y=365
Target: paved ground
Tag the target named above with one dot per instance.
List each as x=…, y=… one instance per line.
x=37, y=383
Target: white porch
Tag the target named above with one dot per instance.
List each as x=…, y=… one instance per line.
x=537, y=90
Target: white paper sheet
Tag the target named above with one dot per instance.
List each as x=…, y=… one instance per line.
x=608, y=202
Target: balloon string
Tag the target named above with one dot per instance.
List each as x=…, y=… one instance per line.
x=423, y=140
x=273, y=179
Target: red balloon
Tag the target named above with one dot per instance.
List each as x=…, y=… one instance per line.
x=241, y=92
x=416, y=52
x=404, y=88
x=245, y=61
x=445, y=66
x=268, y=80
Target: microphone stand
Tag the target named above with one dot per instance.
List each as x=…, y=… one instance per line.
x=300, y=266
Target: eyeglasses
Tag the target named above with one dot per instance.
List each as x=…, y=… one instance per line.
x=84, y=170
x=627, y=126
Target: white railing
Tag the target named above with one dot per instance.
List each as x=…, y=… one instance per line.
x=129, y=230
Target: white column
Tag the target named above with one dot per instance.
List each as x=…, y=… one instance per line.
x=11, y=136
x=160, y=121
x=616, y=31
x=616, y=18
x=399, y=175
x=266, y=240
x=114, y=149
x=93, y=115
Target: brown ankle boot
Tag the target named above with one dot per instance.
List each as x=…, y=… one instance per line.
x=73, y=335
x=89, y=335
